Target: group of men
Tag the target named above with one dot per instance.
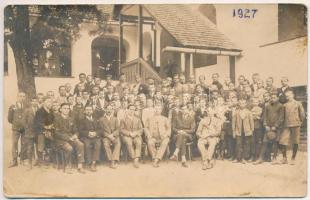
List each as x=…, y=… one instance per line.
x=246, y=122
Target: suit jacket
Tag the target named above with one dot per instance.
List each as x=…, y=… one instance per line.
x=129, y=125
x=28, y=122
x=41, y=119
x=185, y=124
x=281, y=94
x=209, y=127
x=64, y=128
x=16, y=117
x=293, y=114
x=158, y=127
x=86, y=125
x=247, y=125
x=272, y=114
x=109, y=126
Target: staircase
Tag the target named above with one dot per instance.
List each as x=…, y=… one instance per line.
x=141, y=67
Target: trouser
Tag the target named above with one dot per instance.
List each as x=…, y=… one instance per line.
x=157, y=153
x=243, y=147
x=40, y=146
x=91, y=149
x=257, y=140
x=267, y=147
x=180, y=142
x=207, y=154
x=29, y=141
x=112, y=148
x=16, y=135
x=68, y=146
x=230, y=146
x=134, y=146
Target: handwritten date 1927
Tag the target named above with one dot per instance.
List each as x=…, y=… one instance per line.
x=244, y=13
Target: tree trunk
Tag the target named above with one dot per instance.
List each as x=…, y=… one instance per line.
x=21, y=45
x=25, y=78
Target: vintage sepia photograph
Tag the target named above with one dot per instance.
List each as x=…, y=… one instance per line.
x=155, y=100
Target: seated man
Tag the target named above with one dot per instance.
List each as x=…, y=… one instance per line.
x=109, y=129
x=183, y=127
x=131, y=130
x=158, y=131
x=89, y=135
x=208, y=133
x=66, y=137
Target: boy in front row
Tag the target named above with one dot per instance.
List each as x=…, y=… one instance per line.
x=243, y=127
x=293, y=116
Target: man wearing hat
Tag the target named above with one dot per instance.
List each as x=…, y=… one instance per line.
x=272, y=124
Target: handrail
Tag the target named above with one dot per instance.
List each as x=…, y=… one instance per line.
x=141, y=67
x=134, y=61
x=150, y=69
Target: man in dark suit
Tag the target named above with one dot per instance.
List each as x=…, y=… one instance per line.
x=15, y=117
x=82, y=78
x=183, y=128
x=109, y=130
x=43, y=126
x=29, y=131
x=66, y=138
x=284, y=88
x=139, y=87
x=89, y=135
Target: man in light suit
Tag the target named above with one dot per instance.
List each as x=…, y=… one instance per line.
x=157, y=131
x=131, y=130
x=208, y=132
x=109, y=129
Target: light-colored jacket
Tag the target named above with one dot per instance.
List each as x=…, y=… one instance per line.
x=294, y=114
x=248, y=123
x=158, y=126
x=209, y=127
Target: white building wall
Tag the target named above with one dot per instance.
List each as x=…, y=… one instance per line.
x=249, y=34
x=222, y=67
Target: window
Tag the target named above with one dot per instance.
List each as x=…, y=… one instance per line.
x=292, y=21
x=53, y=60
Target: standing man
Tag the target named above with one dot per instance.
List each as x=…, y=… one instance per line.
x=16, y=117
x=139, y=87
x=273, y=126
x=157, y=131
x=131, y=130
x=43, y=126
x=281, y=91
x=66, y=138
x=82, y=78
x=29, y=129
x=109, y=130
x=62, y=98
x=89, y=135
x=183, y=128
x=293, y=116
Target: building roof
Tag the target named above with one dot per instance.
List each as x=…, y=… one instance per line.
x=189, y=28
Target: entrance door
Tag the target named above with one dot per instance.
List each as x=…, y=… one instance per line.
x=105, y=58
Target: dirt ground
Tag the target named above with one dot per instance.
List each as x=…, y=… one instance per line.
x=226, y=179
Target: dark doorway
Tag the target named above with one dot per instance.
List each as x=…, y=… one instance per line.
x=105, y=57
